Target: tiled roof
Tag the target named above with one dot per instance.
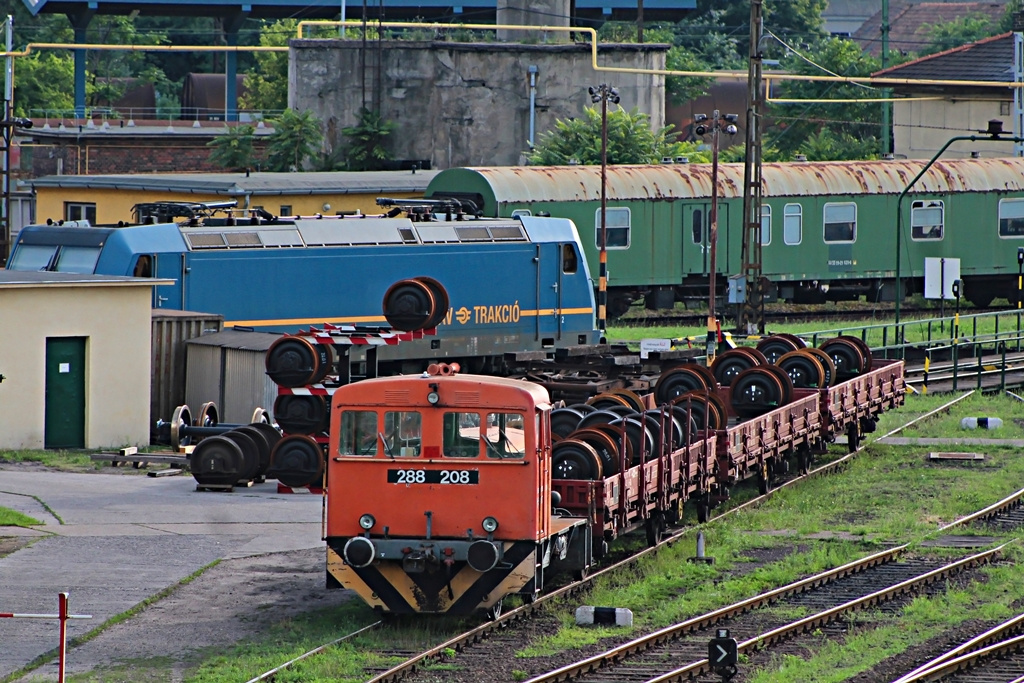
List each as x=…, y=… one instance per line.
x=990, y=59
x=910, y=24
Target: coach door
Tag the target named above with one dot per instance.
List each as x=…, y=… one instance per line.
x=696, y=233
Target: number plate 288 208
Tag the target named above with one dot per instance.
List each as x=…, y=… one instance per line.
x=433, y=477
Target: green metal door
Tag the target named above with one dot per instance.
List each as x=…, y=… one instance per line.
x=65, y=393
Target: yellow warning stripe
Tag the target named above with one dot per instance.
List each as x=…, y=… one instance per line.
x=379, y=319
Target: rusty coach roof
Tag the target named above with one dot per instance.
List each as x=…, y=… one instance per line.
x=579, y=183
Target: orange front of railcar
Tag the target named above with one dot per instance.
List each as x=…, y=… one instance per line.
x=438, y=490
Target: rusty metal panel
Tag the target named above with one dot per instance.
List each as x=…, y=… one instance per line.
x=171, y=329
x=246, y=385
x=665, y=181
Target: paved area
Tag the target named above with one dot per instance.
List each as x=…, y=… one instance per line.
x=112, y=540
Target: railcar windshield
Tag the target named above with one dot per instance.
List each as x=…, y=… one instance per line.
x=77, y=259
x=32, y=257
x=358, y=433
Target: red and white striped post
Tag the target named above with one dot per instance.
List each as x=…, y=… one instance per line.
x=62, y=616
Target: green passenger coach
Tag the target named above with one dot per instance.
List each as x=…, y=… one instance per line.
x=828, y=228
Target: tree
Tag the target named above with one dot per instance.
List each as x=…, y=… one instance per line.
x=630, y=140
x=795, y=21
x=296, y=139
x=235, y=149
x=853, y=127
x=961, y=31
x=365, y=147
x=267, y=84
x=44, y=84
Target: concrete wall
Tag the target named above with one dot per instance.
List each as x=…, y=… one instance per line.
x=466, y=104
x=115, y=319
x=922, y=127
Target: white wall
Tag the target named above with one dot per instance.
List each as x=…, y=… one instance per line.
x=922, y=127
x=115, y=319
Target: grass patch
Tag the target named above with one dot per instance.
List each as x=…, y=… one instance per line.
x=57, y=459
x=947, y=425
x=10, y=517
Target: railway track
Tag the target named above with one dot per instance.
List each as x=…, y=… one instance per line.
x=493, y=632
x=786, y=316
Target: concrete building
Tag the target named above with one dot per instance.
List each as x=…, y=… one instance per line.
x=467, y=104
x=75, y=360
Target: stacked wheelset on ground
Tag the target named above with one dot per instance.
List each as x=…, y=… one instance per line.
x=309, y=366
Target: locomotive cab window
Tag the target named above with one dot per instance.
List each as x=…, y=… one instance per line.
x=402, y=431
x=504, y=435
x=840, y=222
x=359, y=433
x=926, y=220
x=569, y=261
x=618, y=227
x=77, y=259
x=1011, y=217
x=793, y=224
x=32, y=257
x=766, y=224
x=461, y=435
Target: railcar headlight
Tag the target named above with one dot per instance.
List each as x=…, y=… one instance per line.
x=367, y=522
x=490, y=524
x=433, y=398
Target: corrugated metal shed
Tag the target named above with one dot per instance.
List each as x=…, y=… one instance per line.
x=171, y=329
x=519, y=184
x=334, y=182
x=228, y=367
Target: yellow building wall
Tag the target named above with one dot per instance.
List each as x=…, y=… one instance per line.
x=116, y=205
x=922, y=127
x=115, y=320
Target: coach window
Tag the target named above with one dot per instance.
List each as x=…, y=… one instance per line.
x=697, y=226
x=504, y=435
x=569, y=261
x=79, y=211
x=461, y=435
x=841, y=222
x=793, y=224
x=286, y=210
x=766, y=224
x=926, y=220
x=1011, y=217
x=618, y=228
x=359, y=433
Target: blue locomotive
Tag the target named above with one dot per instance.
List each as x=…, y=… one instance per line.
x=513, y=285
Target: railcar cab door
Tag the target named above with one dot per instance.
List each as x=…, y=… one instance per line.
x=696, y=230
x=170, y=266
x=554, y=263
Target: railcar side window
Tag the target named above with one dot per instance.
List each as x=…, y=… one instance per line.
x=358, y=433
x=926, y=220
x=461, y=435
x=402, y=432
x=569, y=261
x=841, y=222
x=697, y=226
x=1011, y=217
x=766, y=224
x=505, y=435
x=793, y=224
x=32, y=257
x=618, y=227
x=77, y=259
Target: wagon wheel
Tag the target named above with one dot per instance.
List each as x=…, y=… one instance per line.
x=865, y=351
x=564, y=421
x=846, y=355
x=606, y=447
x=775, y=347
x=828, y=366
x=753, y=353
x=494, y=611
x=674, y=436
x=572, y=459
x=301, y=414
x=606, y=400
x=598, y=417
x=263, y=447
x=616, y=433
x=632, y=399
x=409, y=305
x=755, y=392
x=269, y=432
x=655, y=528
x=682, y=418
x=765, y=479
x=677, y=382
x=583, y=408
x=640, y=436
x=441, y=301
x=804, y=369
x=297, y=460
x=730, y=364
x=208, y=415
x=295, y=361
x=217, y=461
x=181, y=417
x=703, y=504
x=250, y=465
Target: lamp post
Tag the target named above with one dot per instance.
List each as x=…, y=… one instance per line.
x=603, y=94
x=701, y=126
x=994, y=132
